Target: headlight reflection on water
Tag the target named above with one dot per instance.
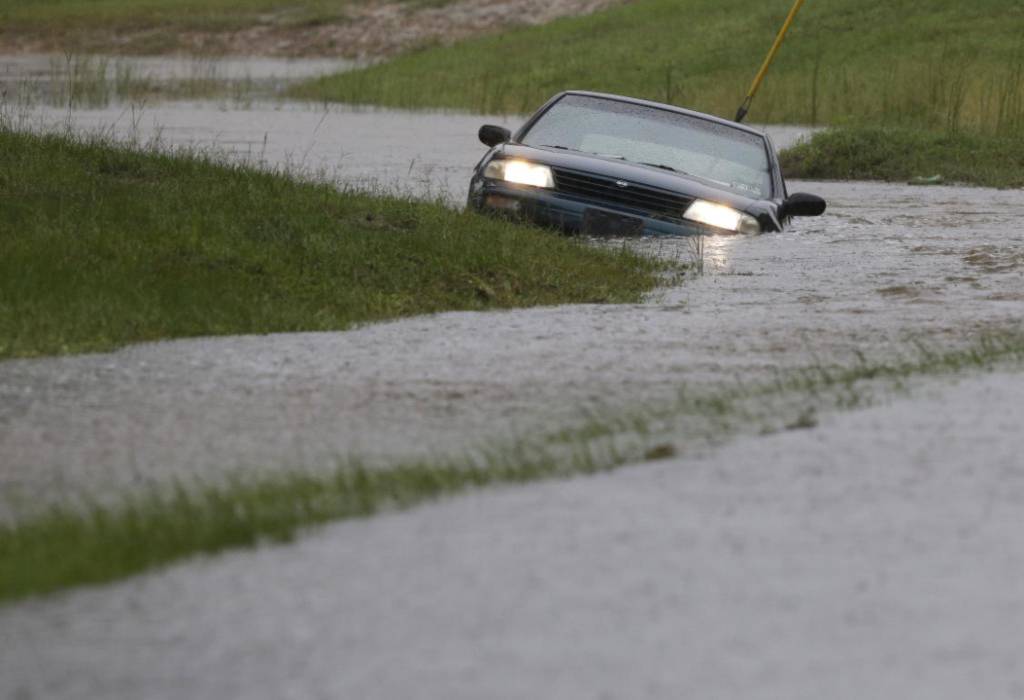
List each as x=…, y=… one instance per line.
x=709, y=253
x=706, y=253
x=717, y=249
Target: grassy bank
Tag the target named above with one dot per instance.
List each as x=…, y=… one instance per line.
x=74, y=546
x=163, y=26
x=932, y=64
x=900, y=155
x=103, y=245
x=70, y=15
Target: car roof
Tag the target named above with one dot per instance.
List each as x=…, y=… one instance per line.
x=661, y=105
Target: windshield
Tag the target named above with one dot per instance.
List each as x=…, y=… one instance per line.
x=732, y=158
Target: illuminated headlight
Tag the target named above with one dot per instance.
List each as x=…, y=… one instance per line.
x=520, y=172
x=721, y=216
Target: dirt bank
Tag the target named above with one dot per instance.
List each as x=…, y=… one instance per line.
x=371, y=30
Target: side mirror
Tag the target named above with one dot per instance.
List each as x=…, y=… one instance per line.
x=801, y=204
x=492, y=135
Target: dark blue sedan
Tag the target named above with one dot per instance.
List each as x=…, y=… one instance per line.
x=616, y=166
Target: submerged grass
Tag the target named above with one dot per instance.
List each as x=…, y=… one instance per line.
x=869, y=153
x=938, y=64
x=85, y=81
x=103, y=245
x=75, y=546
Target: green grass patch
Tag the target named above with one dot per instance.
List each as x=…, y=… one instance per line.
x=104, y=245
x=71, y=546
x=931, y=64
x=866, y=153
x=67, y=547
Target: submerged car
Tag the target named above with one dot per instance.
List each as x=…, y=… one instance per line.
x=615, y=166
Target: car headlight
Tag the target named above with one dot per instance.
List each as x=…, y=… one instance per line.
x=721, y=216
x=520, y=172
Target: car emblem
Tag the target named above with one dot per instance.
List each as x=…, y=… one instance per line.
x=622, y=183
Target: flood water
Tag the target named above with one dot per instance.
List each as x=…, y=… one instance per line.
x=98, y=80
x=424, y=154
x=887, y=265
x=868, y=557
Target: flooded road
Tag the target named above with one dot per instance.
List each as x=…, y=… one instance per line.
x=866, y=557
x=887, y=265
x=423, y=154
x=872, y=557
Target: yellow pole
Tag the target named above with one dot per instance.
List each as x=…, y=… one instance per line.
x=745, y=107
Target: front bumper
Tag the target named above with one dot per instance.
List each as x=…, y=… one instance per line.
x=552, y=209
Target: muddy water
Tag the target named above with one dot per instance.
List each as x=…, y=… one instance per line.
x=887, y=264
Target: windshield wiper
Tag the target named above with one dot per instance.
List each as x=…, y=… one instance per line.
x=576, y=150
x=666, y=167
x=612, y=155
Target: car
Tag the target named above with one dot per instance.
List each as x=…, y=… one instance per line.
x=607, y=165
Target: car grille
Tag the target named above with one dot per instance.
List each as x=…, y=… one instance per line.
x=603, y=190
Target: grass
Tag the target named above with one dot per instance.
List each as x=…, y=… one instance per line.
x=913, y=89
x=162, y=26
x=869, y=153
x=73, y=546
x=934, y=65
x=104, y=245
x=113, y=15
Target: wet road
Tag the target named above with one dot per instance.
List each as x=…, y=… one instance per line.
x=886, y=266
x=869, y=557
x=872, y=557
x=103, y=423
x=420, y=154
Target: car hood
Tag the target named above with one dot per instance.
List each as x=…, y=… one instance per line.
x=641, y=174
